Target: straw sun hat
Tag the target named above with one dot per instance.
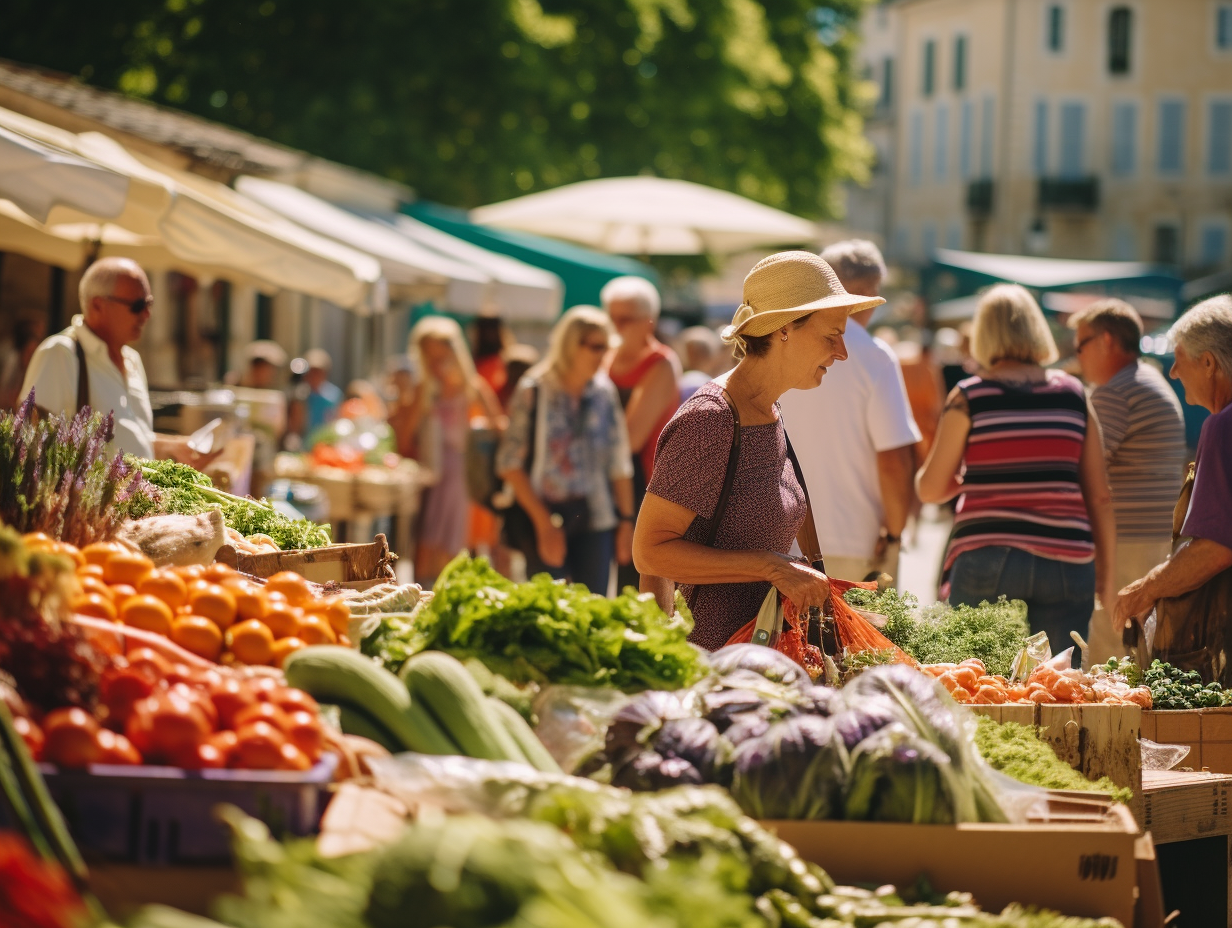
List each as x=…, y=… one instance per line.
x=783, y=287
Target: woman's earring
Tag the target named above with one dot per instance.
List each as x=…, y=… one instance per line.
x=784, y=338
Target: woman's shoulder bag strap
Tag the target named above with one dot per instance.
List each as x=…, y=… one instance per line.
x=83, y=375
x=733, y=461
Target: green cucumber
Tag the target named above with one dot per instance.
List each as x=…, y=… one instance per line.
x=442, y=685
x=356, y=721
x=527, y=741
x=334, y=674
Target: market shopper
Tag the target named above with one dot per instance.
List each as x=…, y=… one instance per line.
x=855, y=435
x=726, y=549
x=449, y=393
x=566, y=459
x=1191, y=591
x=646, y=374
x=701, y=352
x=1143, y=437
x=1019, y=446
x=92, y=362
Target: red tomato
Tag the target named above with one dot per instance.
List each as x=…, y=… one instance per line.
x=139, y=728
x=121, y=688
x=177, y=725
x=181, y=673
x=149, y=662
x=71, y=738
x=229, y=698
x=265, y=688
x=305, y=733
x=262, y=711
x=201, y=699
x=31, y=734
x=258, y=747
x=116, y=749
x=289, y=700
x=293, y=758
x=225, y=741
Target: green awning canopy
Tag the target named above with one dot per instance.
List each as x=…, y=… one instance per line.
x=583, y=271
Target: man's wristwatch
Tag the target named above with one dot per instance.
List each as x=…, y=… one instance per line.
x=891, y=539
x=624, y=518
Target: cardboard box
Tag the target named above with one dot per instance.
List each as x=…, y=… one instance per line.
x=1178, y=726
x=1206, y=732
x=1085, y=868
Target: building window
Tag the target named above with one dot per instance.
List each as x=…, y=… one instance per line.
x=966, y=134
x=1124, y=139
x=1223, y=27
x=1056, y=28
x=1124, y=243
x=1167, y=244
x=1214, y=244
x=1171, y=137
x=987, y=128
x=941, y=149
x=1073, y=132
x=1120, y=21
x=887, y=82
x=928, y=236
x=953, y=236
x=1219, y=141
x=915, y=155
x=960, y=63
x=930, y=67
x=1040, y=152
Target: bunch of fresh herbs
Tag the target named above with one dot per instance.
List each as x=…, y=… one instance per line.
x=56, y=477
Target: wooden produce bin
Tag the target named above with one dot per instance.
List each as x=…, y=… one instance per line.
x=1086, y=866
x=1206, y=732
x=351, y=566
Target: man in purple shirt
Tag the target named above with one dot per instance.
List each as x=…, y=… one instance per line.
x=1202, y=557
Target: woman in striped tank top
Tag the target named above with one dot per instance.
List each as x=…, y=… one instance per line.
x=1019, y=445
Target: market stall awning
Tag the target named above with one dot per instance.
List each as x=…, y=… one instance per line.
x=582, y=271
x=39, y=177
x=406, y=263
x=1043, y=273
x=649, y=216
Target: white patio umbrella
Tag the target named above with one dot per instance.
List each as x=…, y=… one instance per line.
x=649, y=216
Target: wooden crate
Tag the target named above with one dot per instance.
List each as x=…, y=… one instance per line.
x=1095, y=739
x=351, y=566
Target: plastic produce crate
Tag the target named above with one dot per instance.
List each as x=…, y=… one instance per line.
x=165, y=815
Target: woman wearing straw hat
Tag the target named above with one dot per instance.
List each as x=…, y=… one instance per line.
x=726, y=541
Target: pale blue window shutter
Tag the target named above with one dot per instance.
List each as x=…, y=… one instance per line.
x=966, y=132
x=987, y=128
x=1171, y=137
x=1040, y=154
x=915, y=153
x=941, y=142
x=1219, y=156
x=929, y=237
x=1223, y=27
x=1073, y=130
x=1124, y=139
x=1214, y=245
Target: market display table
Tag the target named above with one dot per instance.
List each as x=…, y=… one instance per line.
x=1188, y=816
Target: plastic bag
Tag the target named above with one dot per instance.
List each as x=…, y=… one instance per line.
x=573, y=721
x=1036, y=650
x=458, y=785
x=1162, y=756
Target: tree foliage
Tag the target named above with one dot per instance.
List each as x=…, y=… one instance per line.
x=474, y=101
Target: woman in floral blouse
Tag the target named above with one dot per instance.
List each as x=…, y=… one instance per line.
x=565, y=457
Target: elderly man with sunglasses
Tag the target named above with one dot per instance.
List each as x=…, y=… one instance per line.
x=115, y=306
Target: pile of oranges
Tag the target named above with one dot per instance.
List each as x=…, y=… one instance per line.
x=212, y=612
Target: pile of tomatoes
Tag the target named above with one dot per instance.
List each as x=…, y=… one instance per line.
x=156, y=712
x=212, y=612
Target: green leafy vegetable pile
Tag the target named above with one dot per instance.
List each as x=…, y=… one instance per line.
x=55, y=476
x=185, y=491
x=1173, y=688
x=938, y=634
x=542, y=631
x=1017, y=752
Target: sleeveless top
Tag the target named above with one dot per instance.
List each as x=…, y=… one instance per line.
x=1020, y=487
x=627, y=382
x=764, y=511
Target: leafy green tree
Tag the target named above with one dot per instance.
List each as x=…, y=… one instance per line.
x=474, y=101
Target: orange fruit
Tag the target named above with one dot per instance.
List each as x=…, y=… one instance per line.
x=122, y=593
x=218, y=573
x=94, y=604
x=335, y=611
x=198, y=635
x=91, y=570
x=250, y=642
x=37, y=539
x=126, y=567
x=189, y=572
x=315, y=629
x=286, y=646
x=166, y=585
x=147, y=612
x=100, y=551
x=213, y=602
x=91, y=584
x=282, y=620
x=293, y=586
x=250, y=602
x=72, y=552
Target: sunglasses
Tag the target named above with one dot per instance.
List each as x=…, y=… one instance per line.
x=1078, y=347
x=136, y=307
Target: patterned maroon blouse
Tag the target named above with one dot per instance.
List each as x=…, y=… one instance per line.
x=764, y=511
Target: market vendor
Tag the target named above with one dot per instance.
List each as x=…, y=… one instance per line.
x=1192, y=590
x=786, y=333
x=92, y=362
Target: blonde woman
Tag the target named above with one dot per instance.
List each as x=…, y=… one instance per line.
x=448, y=395
x=565, y=457
x=1019, y=446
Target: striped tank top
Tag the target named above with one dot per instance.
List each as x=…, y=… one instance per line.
x=1020, y=486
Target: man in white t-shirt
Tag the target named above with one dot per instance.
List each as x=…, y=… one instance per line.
x=115, y=306
x=854, y=436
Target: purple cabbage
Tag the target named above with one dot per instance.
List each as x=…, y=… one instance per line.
x=746, y=726
x=652, y=771
x=820, y=700
x=694, y=740
x=793, y=771
x=867, y=716
x=639, y=719
x=897, y=776
x=724, y=706
x=766, y=662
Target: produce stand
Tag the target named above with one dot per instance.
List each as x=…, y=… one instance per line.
x=352, y=566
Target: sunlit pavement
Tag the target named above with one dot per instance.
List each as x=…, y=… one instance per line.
x=923, y=547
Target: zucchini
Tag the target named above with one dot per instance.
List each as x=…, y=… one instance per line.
x=355, y=721
x=441, y=684
x=529, y=744
x=334, y=674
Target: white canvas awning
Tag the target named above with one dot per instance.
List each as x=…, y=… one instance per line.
x=38, y=177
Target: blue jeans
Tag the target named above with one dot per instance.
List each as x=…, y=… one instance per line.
x=588, y=560
x=1060, y=596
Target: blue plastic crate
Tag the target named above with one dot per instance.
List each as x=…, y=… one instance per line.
x=165, y=815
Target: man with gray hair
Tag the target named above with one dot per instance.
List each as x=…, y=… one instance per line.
x=1143, y=435
x=646, y=374
x=1191, y=591
x=855, y=436
x=92, y=362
